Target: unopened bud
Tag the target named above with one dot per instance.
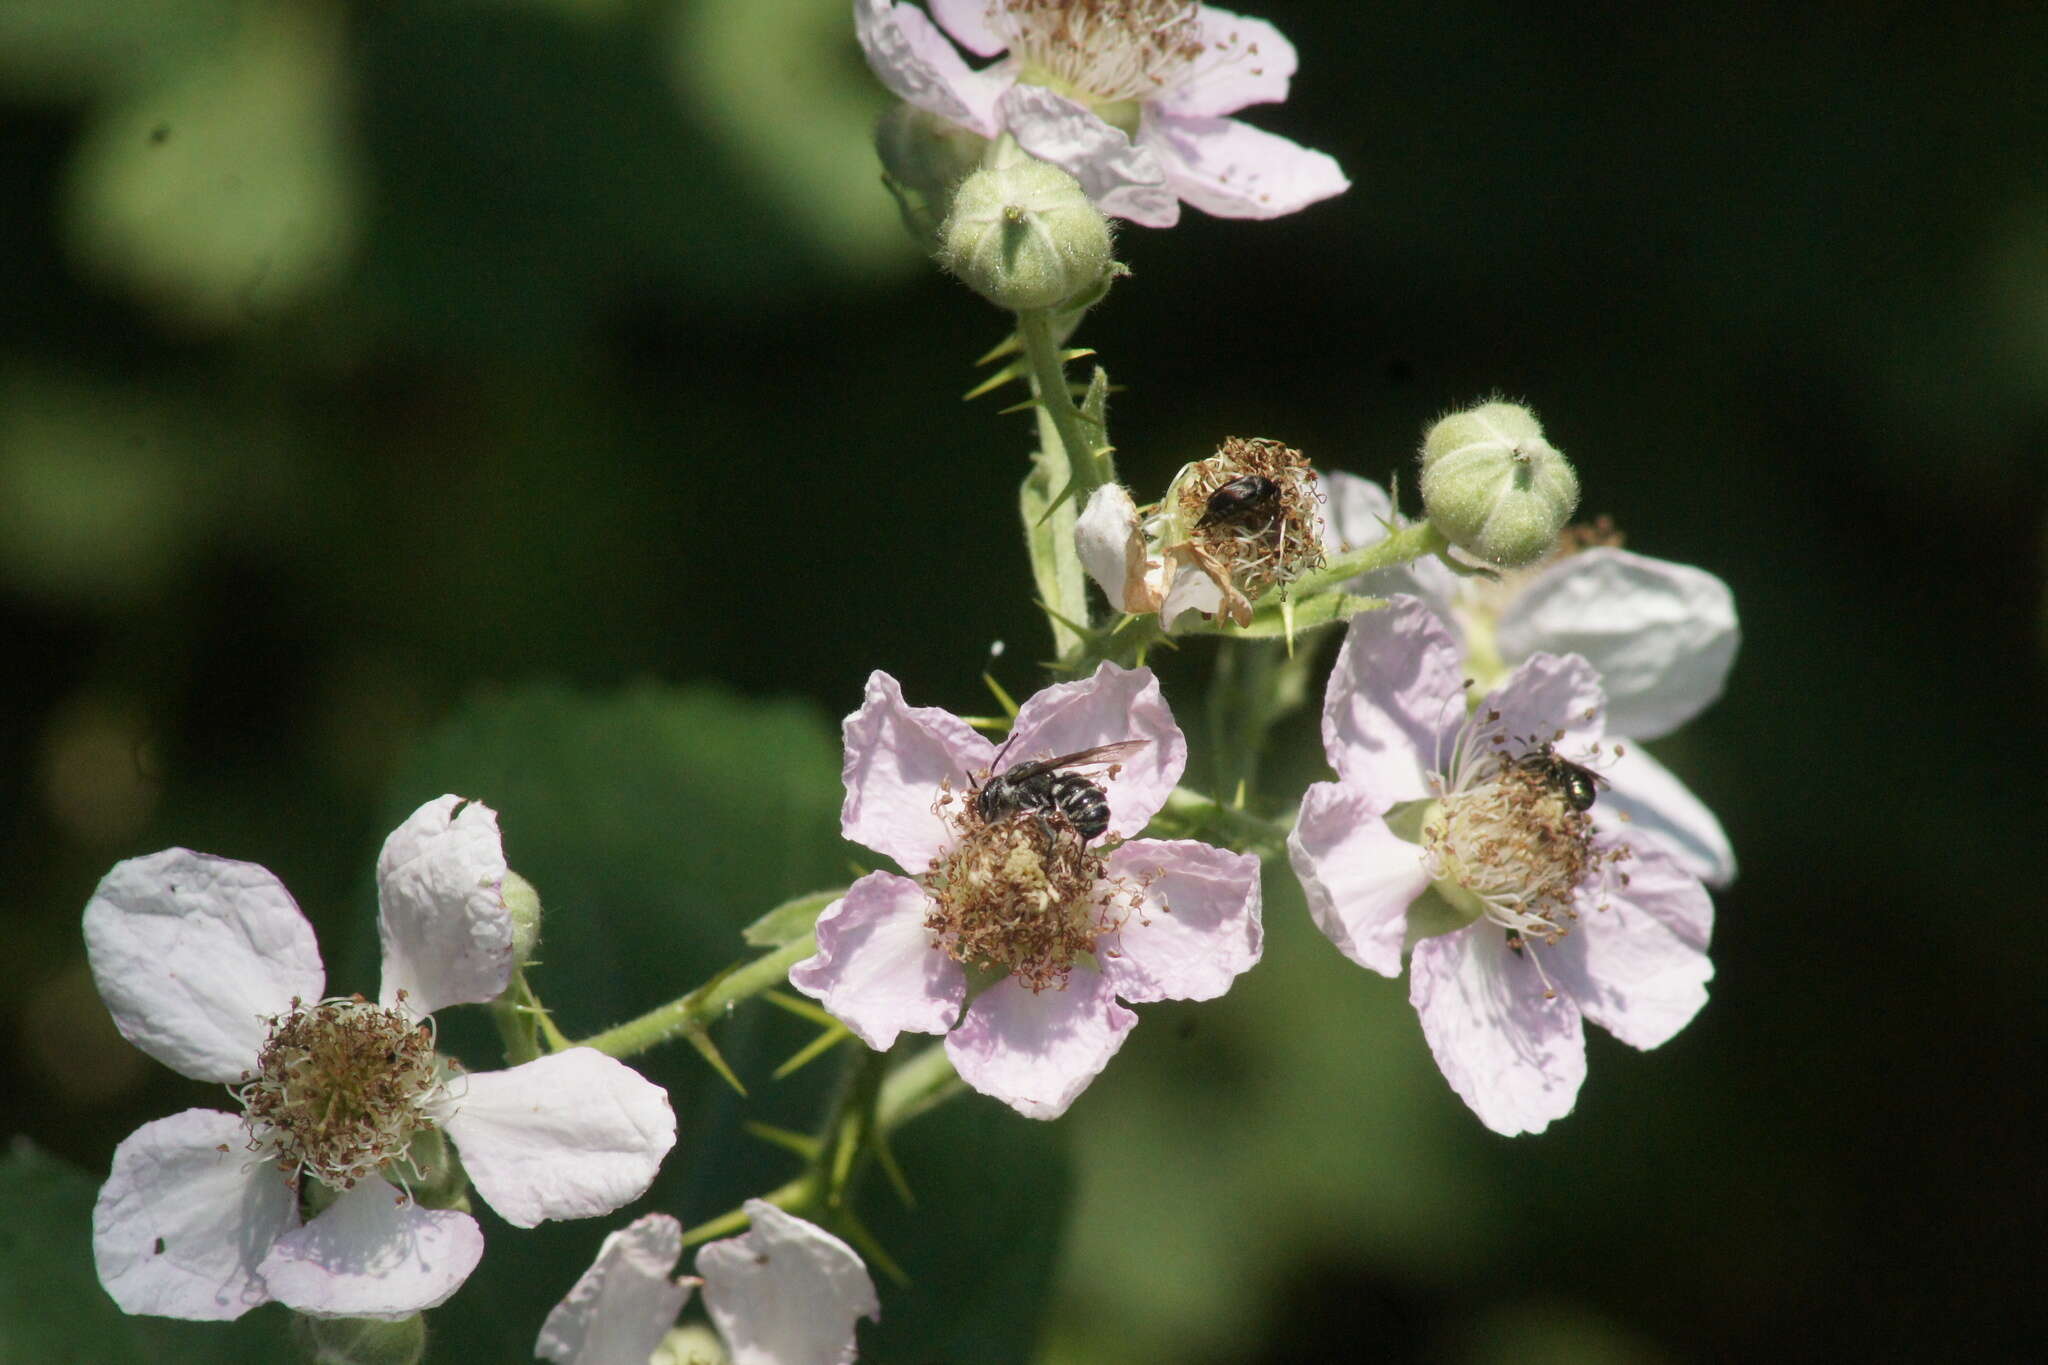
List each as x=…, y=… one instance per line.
x=1494, y=487
x=522, y=902
x=1024, y=236
x=923, y=158
x=360, y=1341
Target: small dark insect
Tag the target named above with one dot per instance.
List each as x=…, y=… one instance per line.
x=1579, y=786
x=1244, y=497
x=1042, y=789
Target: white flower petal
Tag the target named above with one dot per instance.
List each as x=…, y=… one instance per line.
x=1637, y=965
x=786, y=1292
x=620, y=1309
x=1037, y=1052
x=1234, y=170
x=1191, y=590
x=1663, y=635
x=1246, y=61
x=374, y=1253
x=192, y=953
x=1122, y=178
x=876, y=969
x=967, y=22
x=1394, y=702
x=180, y=1226
x=1516, y=1058
x=896, y=757
x=441, y=912
x=1111, y=705
x=914, y=59
x=1356, y=516
x=1551, y=699
x=570, y=1135
x=1359, y=877
x=1199, y=927
x=1663, y=811
x=1112, y=549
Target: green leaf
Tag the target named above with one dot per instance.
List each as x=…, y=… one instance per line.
x=791, y=920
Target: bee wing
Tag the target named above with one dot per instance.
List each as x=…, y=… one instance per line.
x=1098, y=756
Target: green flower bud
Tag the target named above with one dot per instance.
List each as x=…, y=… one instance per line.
x=1494, y=486
x=923, y=158
x=1024, y=236
x=523, y=903
x=360, y=1341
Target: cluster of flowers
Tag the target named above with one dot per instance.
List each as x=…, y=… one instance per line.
x=207, y=965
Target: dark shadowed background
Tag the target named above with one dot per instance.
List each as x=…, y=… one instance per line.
x=540, y=400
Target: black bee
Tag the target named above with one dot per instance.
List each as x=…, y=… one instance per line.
x=1042, y=789
x=1242, y=499
x=1579, y=786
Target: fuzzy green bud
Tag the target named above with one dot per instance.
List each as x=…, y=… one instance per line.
x=1023, y=235
x=1493, y=486
x=522, y=902
x=360, y=1341
x=924, y=157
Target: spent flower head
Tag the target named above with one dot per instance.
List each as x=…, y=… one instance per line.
x=207, y=965
x=1231, y=526
x=1475, y=836
x=1007, y=887
x=1661, y=635
x=1128, y=96
x=785, y=1292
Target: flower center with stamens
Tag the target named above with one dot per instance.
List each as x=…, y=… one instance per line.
x=341, y=1087
x=1111, y=55
x=1023, y=894
x=1503, y=841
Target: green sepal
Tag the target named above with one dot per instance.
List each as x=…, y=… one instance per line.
x=834, y=1035
x=791, y=920
x=803, y=1145
x=708, y=1050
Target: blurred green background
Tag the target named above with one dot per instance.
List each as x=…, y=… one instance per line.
x=540, y=400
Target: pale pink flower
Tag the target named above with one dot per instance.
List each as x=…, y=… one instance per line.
x=207, y=965
x=1127, y=96
x=1662, y=636
x=1539, y=913
x=785, y=1292
x=1148, y=920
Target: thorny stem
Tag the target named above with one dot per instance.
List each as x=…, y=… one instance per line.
x=523, y=1024
x=703, y=1006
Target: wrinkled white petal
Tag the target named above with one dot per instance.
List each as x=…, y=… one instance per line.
x=181, y=1226
x=1550, y=699
x=1637, y=964
x=1112, y=549
x=1191, y=590
x=570, y=1135
x=620, y=1309
x=1234, y=170
x=441, y=914
x=1662, y=810
x=914, y=60
x=1516, y=1058
x=1122, y=178
x=192, y=953
x=1356, y=516
x=1246, y=62
x=1111, y=705
x=374, y=1253
x=896, y=757
x=1358, y=877
x=786, y=1292
x=967, y=21
x=1199, y=925
x=1394, y=702
x=1662, y=635
x=1038, y=1052
x=876, y=969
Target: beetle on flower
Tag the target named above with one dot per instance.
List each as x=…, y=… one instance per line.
x=1051, y=930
